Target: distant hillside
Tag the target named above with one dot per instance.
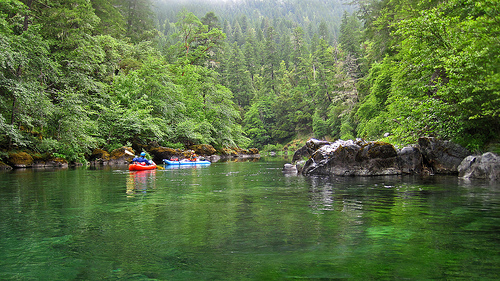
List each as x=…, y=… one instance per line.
x=308, y=14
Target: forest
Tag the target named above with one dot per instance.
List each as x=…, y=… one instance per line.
x=85, y=74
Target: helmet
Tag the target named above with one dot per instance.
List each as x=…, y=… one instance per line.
x=143, y=153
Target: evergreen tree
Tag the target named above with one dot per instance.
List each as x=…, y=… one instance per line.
x=210, y=20
x=270, y=60
x=350, y=36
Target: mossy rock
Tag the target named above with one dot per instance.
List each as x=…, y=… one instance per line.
x=20, y=159
x=253, y=151
x=50, y=161
x=99, y=154
x=377, y=150
x=241, y=151
x=203, y=149
x=57, y=161
x=228, y=152
x=4, y=166
x=121, y=155
x=160, y=153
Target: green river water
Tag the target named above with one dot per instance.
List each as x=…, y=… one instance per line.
x=244, y=221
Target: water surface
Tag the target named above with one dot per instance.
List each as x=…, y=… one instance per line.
x=244, y=221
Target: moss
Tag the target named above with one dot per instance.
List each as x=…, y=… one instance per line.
x=228, y=151
x=4, y=166
x=100, y=154
x=242, y=151
x=381, y=150
x=253, y=151
x=166, y=150
x=20, y=159
x=203, y=149
x=122, y=152
x=59, y=160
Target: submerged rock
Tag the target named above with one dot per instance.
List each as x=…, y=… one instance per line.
x=290, y=169
x=486, y=166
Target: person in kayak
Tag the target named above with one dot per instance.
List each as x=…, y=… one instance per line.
x=142, y=159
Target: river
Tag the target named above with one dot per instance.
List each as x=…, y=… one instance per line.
x=244, y=221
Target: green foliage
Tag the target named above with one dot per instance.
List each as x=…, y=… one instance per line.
x=173, y=145
x=320, y=126
x=273, y=147
x=438, y=77
x=83, y=74
x=350, y=34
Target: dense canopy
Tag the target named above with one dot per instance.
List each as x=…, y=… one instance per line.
x=77, y=75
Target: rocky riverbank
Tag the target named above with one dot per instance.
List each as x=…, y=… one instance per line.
x=361, y=158
x=124, y=155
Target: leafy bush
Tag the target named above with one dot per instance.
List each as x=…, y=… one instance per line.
x=176, y=145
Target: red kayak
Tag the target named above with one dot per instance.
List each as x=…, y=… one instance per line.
x=141, y=167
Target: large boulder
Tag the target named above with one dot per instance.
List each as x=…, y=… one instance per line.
x=443, y=157
x=353, y=158
x=410, y=160
x=486, y=166
x=20, y=160
x=160, y=153
x=203, y=149
x=48, y=161
x=303, y=152
x=122, y=155
x=99, y=155
x=315, y=144
x=308, y=149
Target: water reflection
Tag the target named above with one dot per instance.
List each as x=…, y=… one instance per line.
x=244, y=221
x=139, y=182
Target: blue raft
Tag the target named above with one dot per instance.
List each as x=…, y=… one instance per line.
x=186, y=162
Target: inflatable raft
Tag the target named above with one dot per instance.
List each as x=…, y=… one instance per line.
x=186, y=162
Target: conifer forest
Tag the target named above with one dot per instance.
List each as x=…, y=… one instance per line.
x=84, y=74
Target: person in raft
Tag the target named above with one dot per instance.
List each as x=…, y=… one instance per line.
x=142, y=159
x=193, y=157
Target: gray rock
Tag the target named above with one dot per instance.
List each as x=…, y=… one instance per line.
x=214, y=158
x=486, y=166
x=353, y=158
x=315, y=144
x=303, y=152
x=290, y=169
x=300, y=166
x=410, y=160
x=443, y=157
